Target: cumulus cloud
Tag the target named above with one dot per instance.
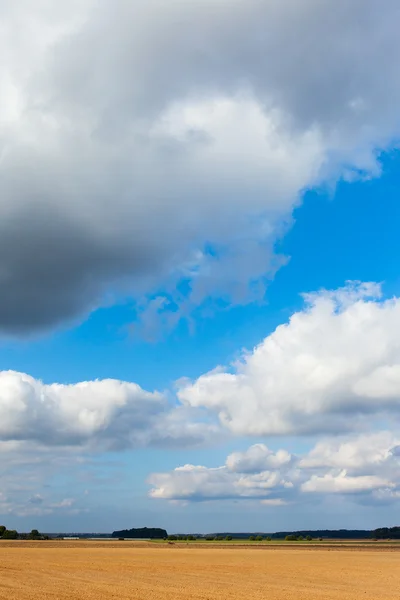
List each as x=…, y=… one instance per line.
x=331, y=368
x=329, y=468
x=257, y=458
x=108, y=413
x=197, y=483
x=235, y=479
x=316, y=374
x=343, y=484
x=356, y=455
x=135, y=136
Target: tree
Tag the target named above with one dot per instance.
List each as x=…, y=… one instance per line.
x=10, y=534
x=153, y=533
x=191, y=538
x=309, y=538
x=268, y=539
x=259, y=538
x=34, y=534
x=252, y=538
x=172, y=538
x=228, y=538
x=291, y=538
x=386, y=533
x=300, y=538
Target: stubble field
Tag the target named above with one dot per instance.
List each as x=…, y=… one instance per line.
x=61, y=570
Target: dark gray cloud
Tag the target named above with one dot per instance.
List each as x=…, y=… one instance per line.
x=132, y=134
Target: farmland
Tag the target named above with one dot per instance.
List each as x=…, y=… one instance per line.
x=95, y=570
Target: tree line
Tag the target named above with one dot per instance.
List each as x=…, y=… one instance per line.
x=386, y=533
x=12, y=534
x=152, y=533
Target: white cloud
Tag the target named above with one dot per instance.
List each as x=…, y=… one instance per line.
x=257, y=458
x=109, y=414
x=356, y=464
x=274, y=502
x=343, y=484
x=198, y=483
x=133, y=134
x=236, y=479
x=356, y=455
x=337, y=466
x=332, y=368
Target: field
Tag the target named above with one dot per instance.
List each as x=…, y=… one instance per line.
x=95, y=570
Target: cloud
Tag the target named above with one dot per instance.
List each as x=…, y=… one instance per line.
x=107, y=414
x=356, y=455
x=233, y=480
x=274, y=502
x=328, y=468
x=309, y=376
x=332, y=368
x=257, y=458
x=134, y=138
x=36, y=499
x=342, y=484
x=65, y=503
x=30, y=480
x=197, y=483
x=18, y=508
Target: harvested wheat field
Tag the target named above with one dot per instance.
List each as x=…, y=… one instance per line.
x=60, y=571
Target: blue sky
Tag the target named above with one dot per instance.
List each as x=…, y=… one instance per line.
x=346, y=234
x=201, y=298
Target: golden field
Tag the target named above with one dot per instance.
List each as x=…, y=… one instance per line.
x=92, y=570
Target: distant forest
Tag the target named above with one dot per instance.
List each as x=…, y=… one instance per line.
x=345, y=534
x=333, y=534
x=384, y=533
x=338, y=534
x=342, y=534
x=12, y=534
x=153, y=533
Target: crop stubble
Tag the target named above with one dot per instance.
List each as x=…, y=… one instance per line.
x=58, y=571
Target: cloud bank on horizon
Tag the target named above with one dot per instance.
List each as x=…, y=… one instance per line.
x=137, y=136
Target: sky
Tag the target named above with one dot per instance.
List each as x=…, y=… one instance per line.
x=199, y=250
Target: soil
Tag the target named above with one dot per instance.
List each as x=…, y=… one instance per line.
x=95, y=570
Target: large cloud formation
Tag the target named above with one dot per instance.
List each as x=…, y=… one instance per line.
x=135, y=134
x=332, y=368
x=104, y=414
x=365, y=467
x=331, y=372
